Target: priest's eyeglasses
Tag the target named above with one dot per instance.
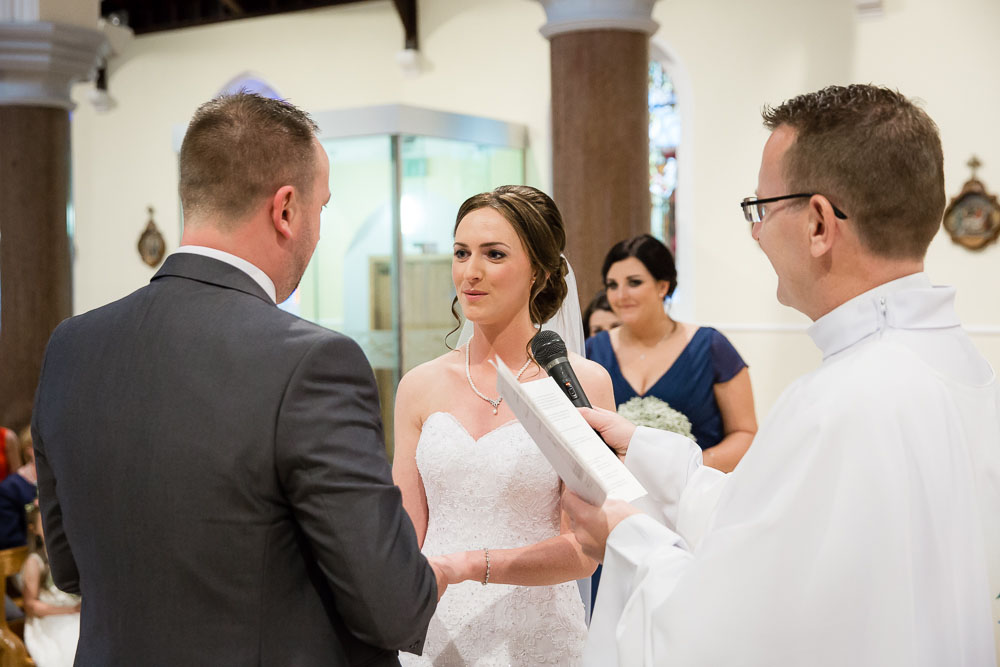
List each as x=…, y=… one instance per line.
x=755, y=209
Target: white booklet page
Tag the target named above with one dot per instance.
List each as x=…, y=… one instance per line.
x=577, y=454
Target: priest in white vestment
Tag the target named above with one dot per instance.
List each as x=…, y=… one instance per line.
x=863, y=525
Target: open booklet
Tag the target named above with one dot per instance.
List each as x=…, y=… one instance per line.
x=578, y=455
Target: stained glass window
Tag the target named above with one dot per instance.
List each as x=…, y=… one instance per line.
x=664, y=137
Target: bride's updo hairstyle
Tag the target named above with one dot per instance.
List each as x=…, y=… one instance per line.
x=539, y=225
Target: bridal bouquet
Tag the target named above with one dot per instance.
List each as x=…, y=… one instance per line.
x=651, y=411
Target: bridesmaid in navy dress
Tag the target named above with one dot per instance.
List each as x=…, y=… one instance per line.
x=694, y=369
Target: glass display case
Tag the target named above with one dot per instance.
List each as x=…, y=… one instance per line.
x=381, y=273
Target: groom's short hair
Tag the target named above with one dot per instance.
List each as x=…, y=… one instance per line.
x=238, y=150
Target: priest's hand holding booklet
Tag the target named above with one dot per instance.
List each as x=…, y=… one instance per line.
x=592, y=525
x=614, y=430
x=577, y=454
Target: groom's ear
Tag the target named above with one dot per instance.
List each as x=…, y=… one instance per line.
x=281, y=210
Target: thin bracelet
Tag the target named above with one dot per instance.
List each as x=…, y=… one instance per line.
x=487, y=579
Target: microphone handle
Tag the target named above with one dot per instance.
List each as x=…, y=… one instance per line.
x=559, y=369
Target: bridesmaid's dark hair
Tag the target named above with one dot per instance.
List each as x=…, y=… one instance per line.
x=649, y=250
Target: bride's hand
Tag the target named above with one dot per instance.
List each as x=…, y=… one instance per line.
x=447, y=570
x=458, y=567
x=439, y=576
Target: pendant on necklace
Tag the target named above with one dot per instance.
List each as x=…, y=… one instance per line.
x=495, y=403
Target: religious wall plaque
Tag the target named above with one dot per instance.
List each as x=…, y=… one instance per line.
x=973, y=217
x=152, y=246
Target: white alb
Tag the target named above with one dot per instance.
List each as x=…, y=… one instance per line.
x=861, y=528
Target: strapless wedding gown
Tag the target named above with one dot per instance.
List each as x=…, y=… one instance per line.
x=497, y=492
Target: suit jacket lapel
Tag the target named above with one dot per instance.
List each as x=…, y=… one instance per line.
x=211, y=271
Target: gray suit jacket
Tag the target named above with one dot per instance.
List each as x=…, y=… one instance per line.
x=214, y=483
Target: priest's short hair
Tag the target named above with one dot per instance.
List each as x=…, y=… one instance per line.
x=873, y=153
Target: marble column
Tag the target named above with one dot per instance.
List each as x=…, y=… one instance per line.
x=600, y=125
x=39, y=60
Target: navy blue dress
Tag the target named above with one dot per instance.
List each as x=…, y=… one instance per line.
x=688, y=385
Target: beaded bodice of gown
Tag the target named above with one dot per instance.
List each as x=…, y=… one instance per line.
x=497, y=492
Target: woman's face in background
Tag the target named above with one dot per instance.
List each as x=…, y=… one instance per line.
x=634, y=294
x=602, y=320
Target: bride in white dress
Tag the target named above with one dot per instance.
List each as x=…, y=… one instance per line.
x=484, y=501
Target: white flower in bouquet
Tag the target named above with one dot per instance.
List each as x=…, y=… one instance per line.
x=651, y=411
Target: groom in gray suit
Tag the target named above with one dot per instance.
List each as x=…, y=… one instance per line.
x=211, y=469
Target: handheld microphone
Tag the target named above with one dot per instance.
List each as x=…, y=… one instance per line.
x=550, y=353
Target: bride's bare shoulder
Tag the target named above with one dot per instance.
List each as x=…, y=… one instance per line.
x=434, y=371
x=595, y=379
x=585, y=368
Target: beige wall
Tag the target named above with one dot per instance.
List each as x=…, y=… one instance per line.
x=486, y=57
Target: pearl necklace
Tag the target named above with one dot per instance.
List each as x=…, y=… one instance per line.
x=468, y=374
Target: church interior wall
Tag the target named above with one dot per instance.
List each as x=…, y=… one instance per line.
x=487, y=58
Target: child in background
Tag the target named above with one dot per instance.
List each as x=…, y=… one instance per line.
x=52, y=627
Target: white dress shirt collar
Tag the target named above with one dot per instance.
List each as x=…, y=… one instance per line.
x=910, y=302
x=243, y=265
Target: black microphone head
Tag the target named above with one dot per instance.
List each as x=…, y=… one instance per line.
x=547, y=346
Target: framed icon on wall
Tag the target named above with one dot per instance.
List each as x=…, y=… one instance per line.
x=973, y=217
x=152, y=245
